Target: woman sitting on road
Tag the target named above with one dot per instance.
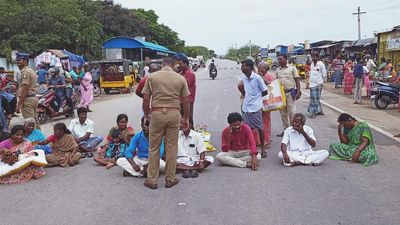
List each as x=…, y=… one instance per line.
x=18, y=161
x=34, y=135
x=64, y=148
x=356, y=143
x=127, y=132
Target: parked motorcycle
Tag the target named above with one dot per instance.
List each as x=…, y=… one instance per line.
x=213, y=73
x=48, y=108
x=383, y=94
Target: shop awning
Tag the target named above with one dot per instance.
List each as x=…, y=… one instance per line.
x=131, y=43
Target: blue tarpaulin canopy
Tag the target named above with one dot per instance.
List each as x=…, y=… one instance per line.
x=75, y=60
x=131, y=43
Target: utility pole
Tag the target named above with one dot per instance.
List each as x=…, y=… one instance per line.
x=250, y=49
x=358, y=13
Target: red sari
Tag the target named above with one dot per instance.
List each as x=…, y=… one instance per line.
x=268, y=78
x=348, y=78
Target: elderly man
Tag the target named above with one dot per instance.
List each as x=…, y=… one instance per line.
x=238, y=145
x=289, y=79
x=192, y=153
x=27, y=100
x=165, y=88
x=297, y=143
x=317, y=74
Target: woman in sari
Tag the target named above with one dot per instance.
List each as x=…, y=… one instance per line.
x=64, y=148
x=127, y=132
x=348, y=77
x=35, y=135
x=263, y=70
x=356, y=142
x=86, y=89
x=19, y=162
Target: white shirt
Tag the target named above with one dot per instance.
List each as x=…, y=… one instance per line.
x=79, y=130
x=190, y=146
x=146, y=71
x=317, y=74
x=296, y=141
x=370, y=64
x=366, y=70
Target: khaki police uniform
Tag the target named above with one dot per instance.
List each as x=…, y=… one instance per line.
x=30, y=104
x=165, y=88
x=287, y=77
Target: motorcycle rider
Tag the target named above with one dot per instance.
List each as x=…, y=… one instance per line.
x=57, y=82
x=212, y=67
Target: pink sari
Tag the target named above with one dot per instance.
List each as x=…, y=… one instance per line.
x=348, y=79
x=86, y=95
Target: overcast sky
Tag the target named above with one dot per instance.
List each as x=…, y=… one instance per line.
x=220, y=24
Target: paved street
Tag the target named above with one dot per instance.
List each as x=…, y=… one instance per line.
x=336, y=192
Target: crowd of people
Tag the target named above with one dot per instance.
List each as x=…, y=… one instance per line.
x=168, y=142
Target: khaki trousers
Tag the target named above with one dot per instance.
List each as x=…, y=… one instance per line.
x=141, y=162
x=163, y=126
x=29, y=109
x=236, y=158
x=288, y=112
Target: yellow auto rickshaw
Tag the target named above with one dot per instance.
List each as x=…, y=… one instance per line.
x=117, y=74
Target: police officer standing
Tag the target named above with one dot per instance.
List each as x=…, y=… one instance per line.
x=27, y=100
x=163, y=89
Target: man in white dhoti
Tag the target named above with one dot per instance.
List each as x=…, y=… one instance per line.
x=297, y=143
x=192, y=153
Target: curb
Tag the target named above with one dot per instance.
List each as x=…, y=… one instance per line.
x=377, y=129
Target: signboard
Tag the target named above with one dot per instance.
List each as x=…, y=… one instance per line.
x=393, y=41
x=264, y=52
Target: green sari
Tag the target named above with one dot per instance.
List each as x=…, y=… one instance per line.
x=341, y=151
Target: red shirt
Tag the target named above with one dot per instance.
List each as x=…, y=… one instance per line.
x=52, y=138
x=241, y=140
x=140, y=86
x=191, y=81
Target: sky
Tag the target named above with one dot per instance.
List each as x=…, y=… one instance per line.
x=222, y=24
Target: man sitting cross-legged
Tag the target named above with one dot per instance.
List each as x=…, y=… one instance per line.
x=238, y=144
x=82, y=129
x=191, y=153
x=297, y=143
x=139, y=146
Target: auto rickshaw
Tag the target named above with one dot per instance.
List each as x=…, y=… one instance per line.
x=116, y=74
x=300, y=62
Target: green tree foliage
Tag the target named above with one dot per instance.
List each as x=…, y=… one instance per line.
x=80, y=26
x=242, y=53
x=193, y=51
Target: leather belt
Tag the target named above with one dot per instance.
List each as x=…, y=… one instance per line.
x=28, y=96
x=164, y=110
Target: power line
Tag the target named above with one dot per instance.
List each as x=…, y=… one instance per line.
x=385, y=8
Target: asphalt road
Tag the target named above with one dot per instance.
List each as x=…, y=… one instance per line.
x=334, y=193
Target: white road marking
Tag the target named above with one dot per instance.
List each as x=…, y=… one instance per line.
x=387, y=134
x=216, y=110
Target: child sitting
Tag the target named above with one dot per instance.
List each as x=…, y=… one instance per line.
x=115, y=150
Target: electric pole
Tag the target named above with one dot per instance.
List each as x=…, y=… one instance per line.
x=358, y=13
x=250, y=49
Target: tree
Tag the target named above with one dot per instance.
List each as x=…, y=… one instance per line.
x=242, y=53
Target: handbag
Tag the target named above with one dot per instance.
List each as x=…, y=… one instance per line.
x=276, y=97
x=364, y=92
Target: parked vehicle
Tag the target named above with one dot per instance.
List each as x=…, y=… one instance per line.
x=48, y=108
x=116, y=74
x=383, y=94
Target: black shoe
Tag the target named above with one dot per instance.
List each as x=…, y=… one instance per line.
x=186, y=174
x=280, y=135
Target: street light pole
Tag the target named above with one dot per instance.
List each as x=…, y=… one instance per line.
x=250, y=49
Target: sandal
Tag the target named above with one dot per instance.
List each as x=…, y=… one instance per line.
x=150, y=185
x=264, y=154
x=194, y=174
x=186, y=174
x=170, y=184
